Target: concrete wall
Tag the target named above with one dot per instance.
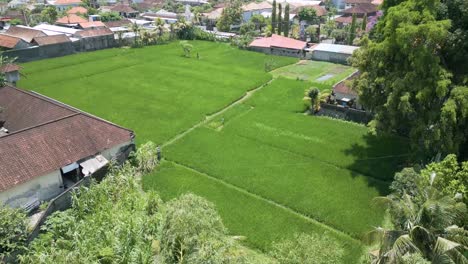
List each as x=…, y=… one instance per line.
x=280, y=52
x=345, y=113
x=96, y=43
x=330, y=56
x=120, y=152
x=41, y=188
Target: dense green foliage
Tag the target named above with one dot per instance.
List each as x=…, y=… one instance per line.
x=426, y=221
x=280, y=19
x=13, y=226
x=274, y=23
x=412, y=77
x=154, y=90
x=231, y=15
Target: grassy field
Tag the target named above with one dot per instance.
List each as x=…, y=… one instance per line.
x=271, y=170
x=154, y=90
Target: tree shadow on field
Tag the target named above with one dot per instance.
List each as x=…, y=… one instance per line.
x=379, y=158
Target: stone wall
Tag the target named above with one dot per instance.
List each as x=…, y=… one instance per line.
x=345, y=113
x=280, y=52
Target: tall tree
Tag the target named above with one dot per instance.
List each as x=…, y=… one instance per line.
x=409, y=84
x=286, y=21
x=307, y=16
x=273, y=18
x=280, y=20
x=364, y=23
x=352, y=30
x=231, y=15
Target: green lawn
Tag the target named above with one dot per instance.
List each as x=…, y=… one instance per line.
x=154, y=90
x=270, y=170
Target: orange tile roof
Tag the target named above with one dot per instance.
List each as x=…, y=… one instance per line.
x=77, y=9
x=92, y=24
x=8, y=41
x=279, y=42
x=71, y=19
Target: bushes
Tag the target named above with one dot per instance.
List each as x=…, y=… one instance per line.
x=13, y=226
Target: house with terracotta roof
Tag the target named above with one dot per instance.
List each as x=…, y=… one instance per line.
x=343, y=93
x=251, y=9
x=279, y=45
x=52, y=40
x=11, y=72
x=63, y=5
x=78, y=10
x=10, y=43
x=25, y=33
x=70, y=20
x=46, y=146
x=360, y=10
x=124, y=10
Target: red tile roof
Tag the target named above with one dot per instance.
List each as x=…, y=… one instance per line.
x=95, y=32
x=77, y=9
x=279, y=42
x=24, y=33
x=344, y=86
x=92, y=24
x=123, y=9
x=361, y=9
x=51, y=40
x=71, y=19
x=8, y=41
x=67, y=137
x=10, y=68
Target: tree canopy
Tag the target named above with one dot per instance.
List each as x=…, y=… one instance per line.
x=408, y=81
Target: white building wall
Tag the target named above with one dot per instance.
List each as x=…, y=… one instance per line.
x=42, y=188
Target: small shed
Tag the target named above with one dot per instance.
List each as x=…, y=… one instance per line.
x=11, y=72
x=332, y=52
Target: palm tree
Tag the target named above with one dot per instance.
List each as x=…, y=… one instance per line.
x=159, y=27
x=135, y=30
x=426, y=225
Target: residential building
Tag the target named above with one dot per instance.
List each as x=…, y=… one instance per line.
x=124, y=10
x=78, y=10
x=25, y=33
x=344, y=95
x=331, y=52
x=46, y=146
x=52, y=40
x=63, y=5
x=11, y=43
x=279, y=45
x=254, y=8
x=51, y=30
x=166, y=16
x=192, y=2
x=11, y=71
x=91, y=25
x=358, y=9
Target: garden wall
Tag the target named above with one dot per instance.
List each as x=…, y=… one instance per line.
x=345, y=113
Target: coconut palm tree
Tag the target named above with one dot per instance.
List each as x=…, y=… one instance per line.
x=426, y=224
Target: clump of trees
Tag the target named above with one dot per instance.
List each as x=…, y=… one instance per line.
x=13, y=231
x=231, y=15
x=428, y=215
x=412, y=75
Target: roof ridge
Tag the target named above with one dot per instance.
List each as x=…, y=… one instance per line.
x=39, y=125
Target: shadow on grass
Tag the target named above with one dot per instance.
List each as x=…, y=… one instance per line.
x=379, y=158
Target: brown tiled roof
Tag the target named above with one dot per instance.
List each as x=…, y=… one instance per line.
x=92, y=24
x=51, y=40
x=68, y=137
x=118, y=23
x=123, y=9
x=361, y=9
x=346, y=19
x=94, y=32
x=26, y=34
x=77, y=9
x=11, y=67
x=71, y=19
x=344, y=86
x=8, y=41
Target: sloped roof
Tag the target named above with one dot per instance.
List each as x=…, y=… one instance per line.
x=118, y=23
x=71, y=19
x=361, y=9
x=77, y=9
x=92, y=24
x=51, y=40
x=67, y=2
x=279, y=42
x=62, y=135
x=24, y=33
x=377, y=2
x=95, y=32
x=346, y=19
x=8, y=41
x=344, y=86
x=11, y=67
x=319, y=10
x=358, y=1
x=257, y=6
x=123, y=8
x=215, y=14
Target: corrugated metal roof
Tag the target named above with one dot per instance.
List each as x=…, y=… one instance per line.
x=335, y=48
